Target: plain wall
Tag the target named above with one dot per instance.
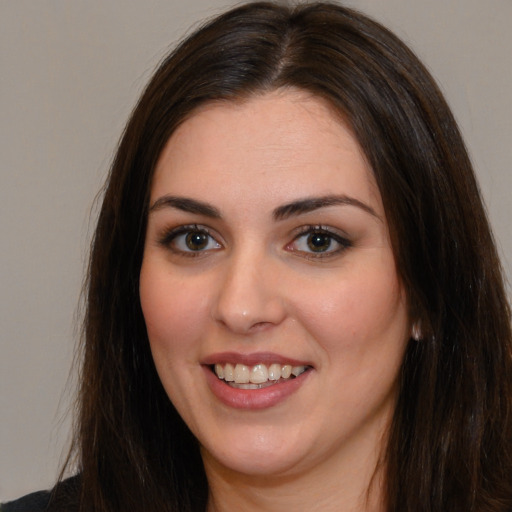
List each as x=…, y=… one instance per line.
x=70, y=74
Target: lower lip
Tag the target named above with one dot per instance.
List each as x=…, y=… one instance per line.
x=253, y=398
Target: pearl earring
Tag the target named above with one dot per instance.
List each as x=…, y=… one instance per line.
x=416, y=331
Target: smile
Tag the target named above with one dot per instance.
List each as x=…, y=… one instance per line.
x=259, y=376
x=255, y=381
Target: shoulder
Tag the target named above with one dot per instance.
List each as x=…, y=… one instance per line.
x=63, y=497
x=34, y=502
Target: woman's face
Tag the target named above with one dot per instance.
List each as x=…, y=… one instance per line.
x=267, y=250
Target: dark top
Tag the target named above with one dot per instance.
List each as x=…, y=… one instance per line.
x=35, y=502
x=63, y=498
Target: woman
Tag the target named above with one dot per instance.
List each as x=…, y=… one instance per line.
x=294, y=298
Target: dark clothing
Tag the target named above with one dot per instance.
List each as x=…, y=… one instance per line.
x=35, y=502
x=63, y=498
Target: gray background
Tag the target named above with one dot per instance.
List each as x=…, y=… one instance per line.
x=70, y=74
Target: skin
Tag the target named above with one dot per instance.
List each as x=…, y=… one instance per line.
x=257, y=286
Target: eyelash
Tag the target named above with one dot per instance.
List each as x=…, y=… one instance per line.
x=168, y=240
x=171, y=238
x=307, y=231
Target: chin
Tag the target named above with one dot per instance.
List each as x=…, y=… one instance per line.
x=257, y=456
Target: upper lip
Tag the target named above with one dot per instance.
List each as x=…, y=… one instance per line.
x=252, y=359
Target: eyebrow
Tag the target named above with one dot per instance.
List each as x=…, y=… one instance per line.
x=310, y=204
x=187, y=205
x=283, y=212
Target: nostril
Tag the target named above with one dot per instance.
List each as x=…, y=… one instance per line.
x=259, y=326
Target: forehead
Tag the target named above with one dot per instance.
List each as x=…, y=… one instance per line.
x=284, y=144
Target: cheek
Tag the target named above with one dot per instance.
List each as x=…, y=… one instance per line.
x=367, y=307
x=173, y=311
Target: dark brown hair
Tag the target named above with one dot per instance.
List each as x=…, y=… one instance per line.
x=450, y=440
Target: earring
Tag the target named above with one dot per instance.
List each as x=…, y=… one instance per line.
x=416, y=331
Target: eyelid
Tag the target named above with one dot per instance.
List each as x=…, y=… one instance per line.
x=335, y=234
x=170, y=234
x=322, y=228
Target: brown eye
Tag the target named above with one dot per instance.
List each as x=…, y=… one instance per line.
x=190, y=240
x=319, y=242
x=196, y=241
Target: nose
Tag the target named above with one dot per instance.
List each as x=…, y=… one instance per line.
x=249, y=296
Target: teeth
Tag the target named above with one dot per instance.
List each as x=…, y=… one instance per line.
x=274, y=372
x=219, y=371
x=259, y=374
x=228, y=373
x=286, y=371
x=297, y=370
x=253, y=377
x=242, y=374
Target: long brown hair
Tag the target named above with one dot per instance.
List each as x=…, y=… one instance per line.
x=450, y=440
